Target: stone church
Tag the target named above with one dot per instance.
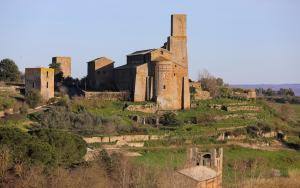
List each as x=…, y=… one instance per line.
x=159, y=75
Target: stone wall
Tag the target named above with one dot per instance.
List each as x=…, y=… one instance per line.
x=147, y=108
x=110, y=96
x=199, y=93
x=125, y=138
x=242, y=108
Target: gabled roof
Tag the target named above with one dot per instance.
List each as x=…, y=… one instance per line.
x=101, y=58
x=141, y=52
x=199, y=173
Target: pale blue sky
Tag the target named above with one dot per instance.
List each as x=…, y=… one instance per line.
x=242, y=41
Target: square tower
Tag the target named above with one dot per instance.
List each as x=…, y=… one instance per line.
x=65, y=65
x=41, y=80
x=178, y=25
x=177, y=42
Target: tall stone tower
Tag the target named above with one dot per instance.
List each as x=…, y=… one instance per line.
x=177, y=45
x=41, y=80
x=177, y=42
x=65, y=65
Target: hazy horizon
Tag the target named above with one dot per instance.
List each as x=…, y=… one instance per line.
x=243, y=42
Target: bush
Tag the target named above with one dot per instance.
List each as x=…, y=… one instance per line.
x=6, y=102
x=64, y=101
x=5, y=161
x=25, y=148
x=69, y=148
x=33, y=98
x=60, y=117
x=23, y=109
x=41, y=152
x=169, y=119
x=252, y=130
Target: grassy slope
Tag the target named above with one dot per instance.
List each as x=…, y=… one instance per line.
x=162, y=158
x=243, y=158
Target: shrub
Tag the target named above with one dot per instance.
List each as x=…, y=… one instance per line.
x=41, y=152
x=63, y=101
x=6, y=102
x=5, y=161
x=60, y=117
x=33, y=98
x=26, y=148
x=169, y=118
x=23, y=109
x=252, y=130
x=69, y=148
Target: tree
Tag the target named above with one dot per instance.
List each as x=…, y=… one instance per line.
x=33, y=98
x=9, y=71
x=286, y=92
x=58, y=74
x=69, y=147
x=25, y=148
x=210, y=83
x=169, y=119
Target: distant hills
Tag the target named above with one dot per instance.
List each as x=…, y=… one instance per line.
x=294, y=87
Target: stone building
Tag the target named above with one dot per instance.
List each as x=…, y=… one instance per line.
x=245, y=93
x=100, y=74
x=65, y=65
x=198, y=93
x=159, y=75
x=204, y=168
x=40, y=79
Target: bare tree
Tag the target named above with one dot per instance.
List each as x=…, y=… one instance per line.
x=210, y=83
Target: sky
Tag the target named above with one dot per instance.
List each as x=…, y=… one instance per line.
x=241, y=41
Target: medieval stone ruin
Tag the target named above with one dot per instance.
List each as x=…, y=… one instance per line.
x=159, y=75
x=204, y=168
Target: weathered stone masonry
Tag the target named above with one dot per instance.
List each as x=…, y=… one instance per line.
x=159, y=75
x=41, y=80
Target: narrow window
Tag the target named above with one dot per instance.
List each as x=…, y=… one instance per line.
x=174, y=74
x=32, y=84
x=47, y=85
x=47, y=74
x=164, y=86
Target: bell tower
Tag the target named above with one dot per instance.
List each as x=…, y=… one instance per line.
x=177, y=42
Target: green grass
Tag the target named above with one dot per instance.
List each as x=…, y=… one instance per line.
x=15, y=121
x=162, y=158
x=266, y=160
x=249, y=162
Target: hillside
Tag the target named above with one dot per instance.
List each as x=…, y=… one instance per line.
x=295, y=87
